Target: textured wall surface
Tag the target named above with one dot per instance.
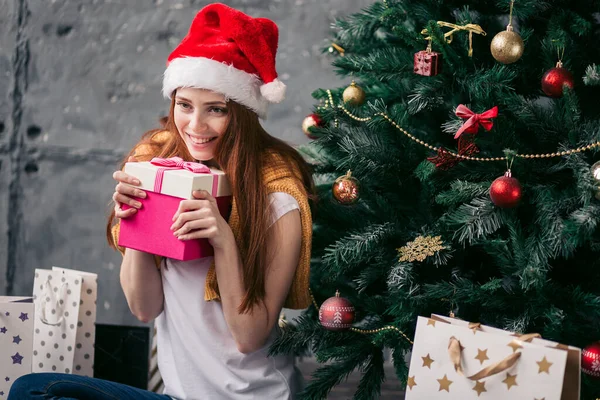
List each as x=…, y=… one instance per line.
x=80, y=81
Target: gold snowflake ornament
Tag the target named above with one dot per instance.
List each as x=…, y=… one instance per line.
x=421, y=248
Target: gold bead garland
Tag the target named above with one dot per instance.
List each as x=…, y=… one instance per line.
x=429, y=146
x=366, y=331
x=385, y=328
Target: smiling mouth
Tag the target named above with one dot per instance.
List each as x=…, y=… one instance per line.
x=200, y=141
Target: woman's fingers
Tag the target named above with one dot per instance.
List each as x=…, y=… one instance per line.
x=185, y=216
x=130, y=191
x=126, y=192
x=125, y=178
x=189, y=205
x=194, y=225
x=120, y=213
x=204, y=195
x=123, y=199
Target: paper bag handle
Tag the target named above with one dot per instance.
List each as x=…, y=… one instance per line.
x=455, y=353
x=59, y=310
x=528, y=337
x=476, y=326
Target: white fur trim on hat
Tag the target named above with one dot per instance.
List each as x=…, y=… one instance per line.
x=204, y=73
x=273, y=91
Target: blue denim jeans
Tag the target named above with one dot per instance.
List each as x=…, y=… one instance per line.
x=50, y=386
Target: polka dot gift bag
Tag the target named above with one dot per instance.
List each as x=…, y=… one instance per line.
x=64, y=325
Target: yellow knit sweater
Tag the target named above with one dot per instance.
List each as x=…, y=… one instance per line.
x=277, y=177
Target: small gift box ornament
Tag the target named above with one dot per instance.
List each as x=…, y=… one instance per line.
x=167, y=182
x=428, y=62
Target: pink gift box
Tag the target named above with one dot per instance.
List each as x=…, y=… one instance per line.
x=427, y=63
x=167, y=182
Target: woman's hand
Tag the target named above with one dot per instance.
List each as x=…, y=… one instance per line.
x=200, y=218
x=125, y=194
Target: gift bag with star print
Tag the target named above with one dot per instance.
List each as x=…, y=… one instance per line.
x=16, y=339
x=65, y=312
x=452, y=359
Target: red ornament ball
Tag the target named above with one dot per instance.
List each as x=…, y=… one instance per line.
x=590, y=360
x=310, y=121
x=554, y=79
x=345, y=189
x=336, y=313
x=505, y=191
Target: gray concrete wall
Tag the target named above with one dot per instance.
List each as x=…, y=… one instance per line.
x=80, y=81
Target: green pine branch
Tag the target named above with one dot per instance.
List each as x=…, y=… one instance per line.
x=475, y=221
x=350, y=252
x=592, y=75
x=462, y=192
x=373, y=376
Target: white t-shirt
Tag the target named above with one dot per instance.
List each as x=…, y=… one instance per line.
x=197, y=355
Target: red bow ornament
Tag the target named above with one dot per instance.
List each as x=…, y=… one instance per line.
x=474, y=120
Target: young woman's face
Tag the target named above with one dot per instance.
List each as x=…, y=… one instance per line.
x=201, y=117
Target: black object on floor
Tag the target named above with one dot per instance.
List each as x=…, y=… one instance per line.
x=122, y=354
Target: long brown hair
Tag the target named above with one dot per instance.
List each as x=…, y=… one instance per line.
x=241, y=153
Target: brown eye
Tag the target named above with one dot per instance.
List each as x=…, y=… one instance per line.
x=218, y=110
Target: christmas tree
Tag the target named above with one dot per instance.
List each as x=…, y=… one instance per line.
x=455, y=176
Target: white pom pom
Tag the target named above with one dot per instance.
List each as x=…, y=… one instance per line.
x=273, y=91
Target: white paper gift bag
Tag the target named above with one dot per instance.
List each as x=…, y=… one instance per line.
x=83, y=359
x=65, y=303
x=572, y=379
x=16, y=339
x=452, y=361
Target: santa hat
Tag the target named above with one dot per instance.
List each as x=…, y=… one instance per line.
x=231, y=53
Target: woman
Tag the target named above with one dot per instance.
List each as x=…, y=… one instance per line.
x=216, y=316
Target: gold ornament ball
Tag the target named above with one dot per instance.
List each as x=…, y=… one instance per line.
x=595, y=169
x=345, y=189
x=507, y=47
x=354, y=95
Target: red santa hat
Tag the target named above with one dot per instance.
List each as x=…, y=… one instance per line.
x=231, y=53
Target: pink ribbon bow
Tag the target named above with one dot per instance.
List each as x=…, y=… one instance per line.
x=178, y=163
x=474, y=120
